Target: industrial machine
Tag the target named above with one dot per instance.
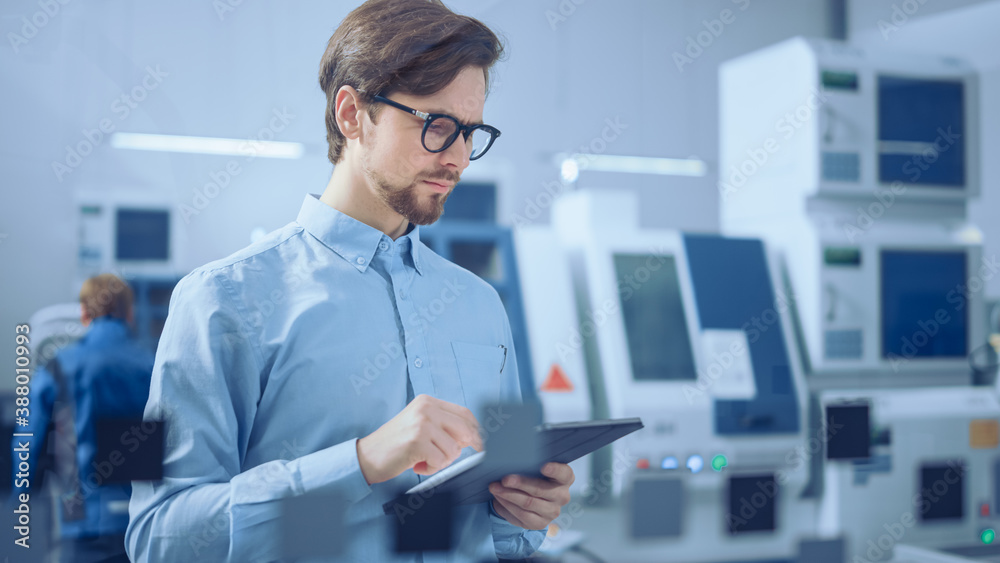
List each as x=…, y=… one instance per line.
x=900, y=306
x=687, y=332
x=133, y=233
x=857, y=167
x=837, y=120
x=912, y=466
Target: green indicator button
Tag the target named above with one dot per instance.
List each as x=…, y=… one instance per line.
x=988, y=535
x=718, y=462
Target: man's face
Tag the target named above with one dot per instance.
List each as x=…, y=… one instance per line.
x=412, y=181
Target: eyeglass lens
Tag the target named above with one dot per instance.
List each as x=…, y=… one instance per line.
x=442, y=130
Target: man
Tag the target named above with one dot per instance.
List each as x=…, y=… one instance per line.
x=103, y=375
x=339, y=355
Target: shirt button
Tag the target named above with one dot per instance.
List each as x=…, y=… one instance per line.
x=360, y=260
x=383, y=246
x=418, y=363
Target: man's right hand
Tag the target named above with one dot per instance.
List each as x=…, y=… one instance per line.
x=428, y=435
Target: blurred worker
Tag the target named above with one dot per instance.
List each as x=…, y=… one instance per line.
x=101, y=376
x=339, y=354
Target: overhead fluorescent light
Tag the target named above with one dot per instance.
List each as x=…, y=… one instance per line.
x=579, y=162
x=206, y=145
x=569, y=170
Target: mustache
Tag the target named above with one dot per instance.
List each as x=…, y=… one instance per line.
x=445, y=176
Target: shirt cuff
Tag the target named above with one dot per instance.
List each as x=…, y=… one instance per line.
x=335, y=469
x=513, y=542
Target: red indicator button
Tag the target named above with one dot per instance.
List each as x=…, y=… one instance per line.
x=984, y=510
x=642, y=463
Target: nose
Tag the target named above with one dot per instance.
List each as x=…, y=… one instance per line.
x=457, y=155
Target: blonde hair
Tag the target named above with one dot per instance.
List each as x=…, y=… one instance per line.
x=106, y=294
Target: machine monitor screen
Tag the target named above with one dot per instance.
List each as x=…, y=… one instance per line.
x=924, y=309
x=921, y=131
x=942, y=491
x=142, y=234
x=849, y=427
x=653, y=311
x=752, y=500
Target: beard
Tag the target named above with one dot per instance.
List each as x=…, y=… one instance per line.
x=406, y=200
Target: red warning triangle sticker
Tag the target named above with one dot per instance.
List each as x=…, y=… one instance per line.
x=557, y=381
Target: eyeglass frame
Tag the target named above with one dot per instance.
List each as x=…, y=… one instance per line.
x=464, y=130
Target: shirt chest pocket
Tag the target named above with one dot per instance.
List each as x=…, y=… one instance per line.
x=479, y=368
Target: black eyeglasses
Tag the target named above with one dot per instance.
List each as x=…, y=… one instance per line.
x=441, y=130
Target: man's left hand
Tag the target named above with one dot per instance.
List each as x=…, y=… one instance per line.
x=533, y=503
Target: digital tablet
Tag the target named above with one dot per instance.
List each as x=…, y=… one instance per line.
x=468, y=480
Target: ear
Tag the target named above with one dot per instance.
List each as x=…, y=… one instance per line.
x=349, y=111
x=85, y=317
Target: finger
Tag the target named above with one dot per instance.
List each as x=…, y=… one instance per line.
x=541, y=488
x=446, y=444
x=527, y=519
x=540, y=506
x=442, y=405
x=507, y=513
x=459, y=411
x=433, y=450
x=559, y=472
x=461, y=430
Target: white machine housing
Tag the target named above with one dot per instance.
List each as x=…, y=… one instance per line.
x=553, y=333
x=840, y=305
x=98, y=213
x=877, y=503
x=53, y=328
x=800, y=150
x=817, y=101
x=594, y=225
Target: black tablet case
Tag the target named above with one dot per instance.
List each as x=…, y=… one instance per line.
x=562, y=443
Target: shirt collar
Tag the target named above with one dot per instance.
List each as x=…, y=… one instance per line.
x=353, y=240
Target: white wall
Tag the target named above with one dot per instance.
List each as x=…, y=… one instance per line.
x=613, y=60
x=985, y=212
x=889, y=20
x=226, y=75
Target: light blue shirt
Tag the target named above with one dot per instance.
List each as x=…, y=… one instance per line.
x=275, y=360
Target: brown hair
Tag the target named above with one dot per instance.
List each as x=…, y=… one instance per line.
x=415, y=47
x=104, y=295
